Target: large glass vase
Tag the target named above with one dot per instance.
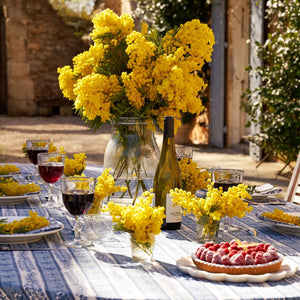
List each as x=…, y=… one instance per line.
x=132, y=154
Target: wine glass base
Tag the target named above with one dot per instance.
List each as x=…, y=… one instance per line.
x=50, y=205
x=78, y=244
x=227, y=226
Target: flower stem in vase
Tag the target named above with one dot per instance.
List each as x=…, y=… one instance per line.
x=142, y=251
x=132, y=154
x=207, y=229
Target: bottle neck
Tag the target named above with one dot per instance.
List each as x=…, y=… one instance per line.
x=169, y=127
x=168, y=148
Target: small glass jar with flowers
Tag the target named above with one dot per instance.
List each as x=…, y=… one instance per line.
x=98, y=224
x=142, y=221
x=210, y=210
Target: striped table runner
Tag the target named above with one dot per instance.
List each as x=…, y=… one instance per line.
x=106, y=271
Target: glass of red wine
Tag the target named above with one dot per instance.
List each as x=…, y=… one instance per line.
x=33, y=148
x=78, y=196
x=227, y=178
x=51, y=168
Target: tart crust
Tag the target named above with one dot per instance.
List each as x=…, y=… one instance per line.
x=269, y=267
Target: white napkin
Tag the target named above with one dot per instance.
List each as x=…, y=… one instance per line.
x=266, y=189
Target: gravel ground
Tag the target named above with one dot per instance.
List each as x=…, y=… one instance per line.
x=68, y=132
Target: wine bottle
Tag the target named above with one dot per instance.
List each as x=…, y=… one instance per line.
x=167, y=176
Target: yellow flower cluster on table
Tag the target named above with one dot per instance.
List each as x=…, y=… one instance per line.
x=8, y=169
x=217, y=203
x=24, y=225
x=74, y=166
x=126, y=73
x=9, y=187
x=141, y=219
x=105, y=187
x=193, y=178
x=280, y=215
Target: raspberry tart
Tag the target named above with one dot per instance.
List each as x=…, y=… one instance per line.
x=237, y=257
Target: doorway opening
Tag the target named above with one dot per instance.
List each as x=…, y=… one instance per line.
x=3, y=67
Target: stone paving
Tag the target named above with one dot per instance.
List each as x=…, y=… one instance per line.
x=71, y=133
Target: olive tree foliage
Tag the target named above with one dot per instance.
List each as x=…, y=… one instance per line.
x=164, y=15
x=278, y=96
x=76, y=13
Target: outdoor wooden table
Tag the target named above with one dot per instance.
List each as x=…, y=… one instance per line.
x=108, y=271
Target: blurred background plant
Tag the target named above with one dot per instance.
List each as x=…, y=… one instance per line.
x=164, y=15
x=76, y=14
x=275, y=105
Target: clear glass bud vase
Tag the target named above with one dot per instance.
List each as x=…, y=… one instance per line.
x=207, y=229
x=142, y=252
x=132, y=154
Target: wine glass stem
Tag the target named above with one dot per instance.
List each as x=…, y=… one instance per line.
x=77, y=229
x=37, y=174
x=51, y=198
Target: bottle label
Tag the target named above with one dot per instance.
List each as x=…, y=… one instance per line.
x=173, y=212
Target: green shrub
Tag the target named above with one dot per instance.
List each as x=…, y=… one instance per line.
x=167, y=14
x=277, y=99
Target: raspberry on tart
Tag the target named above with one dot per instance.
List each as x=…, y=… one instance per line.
x=237, y=257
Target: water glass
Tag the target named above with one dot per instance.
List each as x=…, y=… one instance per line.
x=183, y=152
x=227, y=178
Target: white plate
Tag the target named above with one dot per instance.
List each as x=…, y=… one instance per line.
x=265, y=190
x=20, y=238
x=10, y=175
x=13, y=200
x=266, y=200
x=280, y=226
x=186, y=265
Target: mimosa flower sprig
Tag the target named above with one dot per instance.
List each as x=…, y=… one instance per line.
x=217, y=203
x=126, y=73
x=105, y=187
x=10, y=187
x=141, y=219
x=193, y=178
x=74, y=166
x=34, y=221
x=281, y=216
x=8, y=169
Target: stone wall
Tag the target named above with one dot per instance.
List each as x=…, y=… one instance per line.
x=37, y=43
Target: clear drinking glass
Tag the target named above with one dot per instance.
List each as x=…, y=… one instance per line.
x=227, y=178
x=78, y=196
x=51, y=168
x=33, y=148
x=183, y=152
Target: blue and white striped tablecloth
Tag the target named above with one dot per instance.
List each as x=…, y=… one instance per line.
x=107, y=271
